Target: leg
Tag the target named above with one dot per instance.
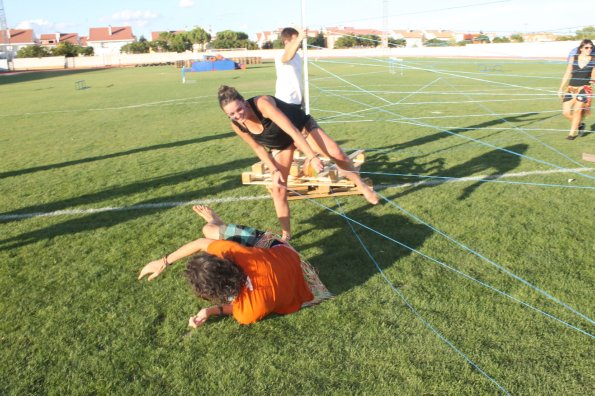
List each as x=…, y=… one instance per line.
x=324, y=144
x=283, y=161
x=214, y=222
x=567, y=108
x=577, y=115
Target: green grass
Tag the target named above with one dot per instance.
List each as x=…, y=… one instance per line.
x=76, y=320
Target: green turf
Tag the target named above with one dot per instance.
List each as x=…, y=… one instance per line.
x=76, y=320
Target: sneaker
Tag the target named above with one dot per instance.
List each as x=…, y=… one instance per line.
x=581, y=129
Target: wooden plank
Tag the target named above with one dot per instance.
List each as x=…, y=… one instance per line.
x=589, y=157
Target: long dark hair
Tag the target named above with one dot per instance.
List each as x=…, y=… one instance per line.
x=227, y=95
x=583, y=43
x=215, y=279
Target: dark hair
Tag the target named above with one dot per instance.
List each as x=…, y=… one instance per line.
x=585, y=42
x=215, y=279
x=288, y=33
x=227, y=95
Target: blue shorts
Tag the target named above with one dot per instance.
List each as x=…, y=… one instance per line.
x=244, y=235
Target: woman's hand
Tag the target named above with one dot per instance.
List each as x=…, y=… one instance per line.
x=199, y=319
x=154, y=268
x=315, y=163
x=277, y=178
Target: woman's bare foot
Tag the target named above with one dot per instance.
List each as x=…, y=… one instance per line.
x=208, y=214
x=370, y=195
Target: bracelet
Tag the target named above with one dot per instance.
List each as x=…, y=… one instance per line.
x=167, y=263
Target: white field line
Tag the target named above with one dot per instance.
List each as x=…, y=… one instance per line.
x=158, y=205
x=482, y=177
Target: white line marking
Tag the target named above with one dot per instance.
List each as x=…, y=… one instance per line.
x=74, y=212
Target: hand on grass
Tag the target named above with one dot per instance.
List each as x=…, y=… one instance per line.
x=199, y=319
x=153, y=269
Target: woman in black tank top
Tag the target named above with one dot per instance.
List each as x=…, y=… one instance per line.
x=575, y=89
x=274, y=129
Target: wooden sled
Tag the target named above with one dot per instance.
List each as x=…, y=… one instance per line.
x=304, y=183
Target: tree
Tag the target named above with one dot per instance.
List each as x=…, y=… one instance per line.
x=138, y=47
x=517, y=38
x=33, y=51
x=482, y=38
x=199, y=36
x=397, y=42
x=318, y=41
x=585, y=33
x=436, y=43
x=501, y=40
x=66, y=49
x=230, y=39
x=85, y=51
x=345, y=42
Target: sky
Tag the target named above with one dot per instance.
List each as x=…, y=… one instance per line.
x=499, y=16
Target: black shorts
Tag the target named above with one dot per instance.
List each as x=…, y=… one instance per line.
x=580, y=96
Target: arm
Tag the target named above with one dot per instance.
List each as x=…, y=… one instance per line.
x=565, y=79
x=269, y=109
x=260, y=152
x=293, y=47
x=204, y=314
x=154, y=268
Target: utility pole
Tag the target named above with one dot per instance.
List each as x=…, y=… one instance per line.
x=4, y=39
x=384, y=43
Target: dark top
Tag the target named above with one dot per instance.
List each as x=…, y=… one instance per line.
x=580, y=76
x=273, y=137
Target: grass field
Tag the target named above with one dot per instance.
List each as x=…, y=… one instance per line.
x=97, y=182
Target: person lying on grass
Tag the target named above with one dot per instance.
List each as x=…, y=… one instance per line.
x=245, y=272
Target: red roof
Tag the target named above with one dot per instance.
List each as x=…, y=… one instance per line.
x=118, y=33
x=21, y=36
x=72, y=38
x=83, y=40
x=353, y=31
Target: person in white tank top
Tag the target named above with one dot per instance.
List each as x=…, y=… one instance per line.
x=288, y=65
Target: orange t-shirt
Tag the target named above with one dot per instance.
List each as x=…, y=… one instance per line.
x=275, y=280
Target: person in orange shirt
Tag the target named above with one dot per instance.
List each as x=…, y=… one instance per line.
x=247, y=273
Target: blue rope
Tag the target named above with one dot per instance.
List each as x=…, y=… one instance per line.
x=473, y=179
x=501, y=268
x=423, y=124
x=419, y=316
x=459, y=272
x=522, y=130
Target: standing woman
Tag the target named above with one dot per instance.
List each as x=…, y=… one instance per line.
x=575, y=90
x=274, y=129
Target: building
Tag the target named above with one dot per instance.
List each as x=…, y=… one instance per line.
x=264, y=37
x=413, y=38
x=109, y=40
x=17, y=39
x=52, y=40
x=332, y=34
x=538, y=37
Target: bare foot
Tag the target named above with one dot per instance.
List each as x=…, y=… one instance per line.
x=208, y=214
x=370, y=195
x=285, y=236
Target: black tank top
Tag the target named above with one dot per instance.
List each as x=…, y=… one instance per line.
x=580, y=76
x=272, y=136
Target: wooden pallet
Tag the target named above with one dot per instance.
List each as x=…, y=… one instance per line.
x=589, y=157
x=302, y=183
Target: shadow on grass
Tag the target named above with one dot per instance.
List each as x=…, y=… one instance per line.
x=491, y=164
x=449, y=132
x=343, y=263
x=115, y=155
x=26, y=76
x=107, y=219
